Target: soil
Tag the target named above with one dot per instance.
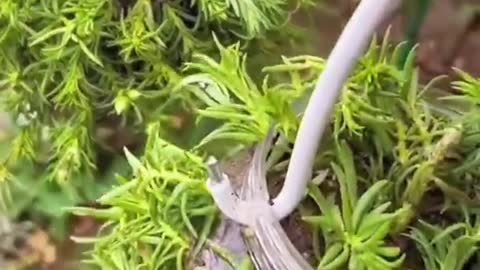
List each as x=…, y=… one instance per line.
x=299, y=233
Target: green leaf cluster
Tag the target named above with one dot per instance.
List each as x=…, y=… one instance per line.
x=391, y=144
x=74, y=74
x=447, y=248
x=355, y=233
x=247, y=110
x=71, y=69
x=159, y=219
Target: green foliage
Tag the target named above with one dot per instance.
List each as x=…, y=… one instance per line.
x=74, y=70
x=219, y=81
x=68, y=67
x=71, y=69
x=396, y=130
x=247, y=110
x=446, y=248
x=356, y=234
x=160, y=217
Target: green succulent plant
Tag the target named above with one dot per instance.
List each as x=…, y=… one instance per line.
x=450, y=247
x=158, y=219
x=356, y=233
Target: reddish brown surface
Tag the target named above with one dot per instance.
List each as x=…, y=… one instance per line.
x=69, y=253
x=449, y=38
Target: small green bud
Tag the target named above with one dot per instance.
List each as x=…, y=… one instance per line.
x=133, y=94
x=122, y=104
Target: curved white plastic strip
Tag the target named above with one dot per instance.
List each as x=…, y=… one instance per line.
x=348, y=49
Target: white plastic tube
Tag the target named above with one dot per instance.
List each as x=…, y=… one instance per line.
x=350, y=46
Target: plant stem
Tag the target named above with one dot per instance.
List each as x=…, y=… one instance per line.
x=416, y=13
x=349, y=47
